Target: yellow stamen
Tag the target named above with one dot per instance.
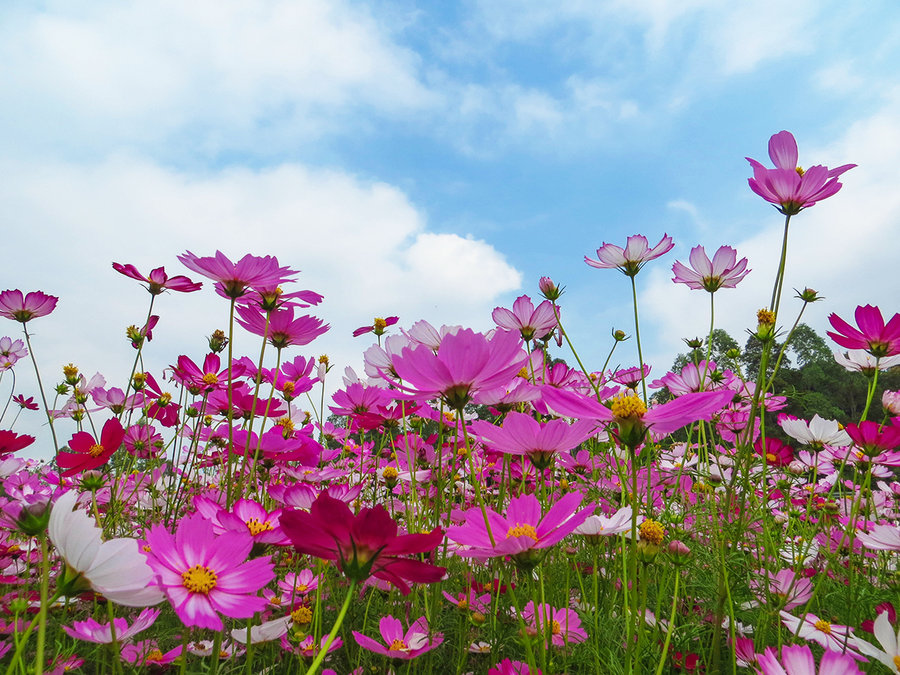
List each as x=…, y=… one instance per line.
x=522, y=531
x=96, y=450
x=652, y=531
x=211, y=378
x=823, y=626
x=301, y=616
x=399, y=646
x=625, y=406
x=380, y=324
x=257, y=527
x=199, y=579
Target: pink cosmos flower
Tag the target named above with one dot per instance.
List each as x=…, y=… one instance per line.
x=798, y=660
x=787, y=586
x=523, y=533
x=508, y=667
x=530, y=322
x=881, y=537
x=91, y=630
x=872, y=438
x=88, y=453
x=235, y=279
x=363, y=545
x=283, y=329
x=204, y=575
x=521, y=434
x=148, y=653
x=245, y=516
x=23, y=308
x=377, y=326
x=633, y=257
x=11, y=351
x=564, y=624
x=198, y=380
x=465, y=363
x=788, y=186
x=158, y=281
x=397, y=644
x=873, y=335
x=723, y=271
x=831, y=636
x=25, y=403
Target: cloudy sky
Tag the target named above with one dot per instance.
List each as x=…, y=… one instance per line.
x=433, y=160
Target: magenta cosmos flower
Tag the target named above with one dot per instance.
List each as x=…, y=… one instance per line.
x=23, y=308
x=158, y=281
x=787, y=186
x=633, y=257
x=523, y=533
x=91, y=630
x=723, y=271
x=798, y=660
x=521, y=434
x=363, y=545
x=283, y=330
x=377, y=326
x=563, y=624
x=204, y=575
x=465, y=363
x=397, y=644
x=872, y=438
x=233, y=280
x=873, y=335
x=531, y=322
x=88, y=453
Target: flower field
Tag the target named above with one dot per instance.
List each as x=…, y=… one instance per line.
x=470, y=503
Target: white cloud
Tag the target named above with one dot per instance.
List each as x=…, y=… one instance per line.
x=212, y=74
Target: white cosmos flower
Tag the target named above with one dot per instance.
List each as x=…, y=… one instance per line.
x=884, y=633
x=817, y=432
x=116, y=568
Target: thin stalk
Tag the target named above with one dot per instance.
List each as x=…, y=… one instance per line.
x=41, y=389
x=637, y=337
x=334, y=631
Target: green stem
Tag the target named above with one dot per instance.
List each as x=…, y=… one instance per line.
x=41, y=389
x=334, y=631
x=671, y=628
x=637, y=337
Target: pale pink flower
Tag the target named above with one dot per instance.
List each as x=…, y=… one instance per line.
x=798, y=660
x=633, y=257
x=530, y=322
x=397, y=644
x=723, y=271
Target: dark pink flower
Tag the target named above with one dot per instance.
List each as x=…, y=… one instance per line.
x=521, y=434
x=397, y=644
x=723, y=271
x=158, y=281
x=235, y=279
x=25, y=403
x=283, y=329
x=210, y=377
x=465, y=362
x=204, y=575
x=363, y=545
x=564, y=624
x=23, y=308
x=524, y=318
x=874, y=336
x=508, y=667
x=788, y=186
x=91, y=630
x=775, y=452
x=11, y=442
x=873, y=439
x=88, y=453
x=633, y=257
x=377, y=326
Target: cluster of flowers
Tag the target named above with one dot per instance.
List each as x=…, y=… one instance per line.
x=223, y=498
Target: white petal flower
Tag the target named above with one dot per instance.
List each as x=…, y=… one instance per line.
x=116, y=568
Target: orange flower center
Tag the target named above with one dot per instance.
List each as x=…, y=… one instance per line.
x=211, y=378
x=153, y=656
x=96, y=450
x=256, y=527
x=823, y=626
x=522, y=531
x=399, y=646
x=301, y=616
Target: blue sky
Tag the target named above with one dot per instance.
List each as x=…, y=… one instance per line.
x=433, y=160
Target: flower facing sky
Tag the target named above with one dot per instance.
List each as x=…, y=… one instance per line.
x=723, y=271
x=633, y=257
x=234, y=280
x=529, y=321
x=23, y=308
x=788, y=186
x=397, y=644
x=158, y=281
x=204, y=575
x=91, y=630
x=363, y=545
x=282, y=329
x=873, y=335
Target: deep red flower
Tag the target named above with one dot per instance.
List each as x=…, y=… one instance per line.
x=87, y=453
x=874, y=336
x=11, y=442
x=158, y=281
x=872, y=440
x=363, y=545
x=775, y=452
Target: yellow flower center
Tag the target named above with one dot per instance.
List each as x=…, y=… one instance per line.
x=389, y=473
x=153, y=656
x=652, y=531
x=70, y=371
x=324, y=359
x=96, y=450
x=897, y=663
x=301, y=616
x=556, y=628
x=211, y=378
x=625, y=406
x=463, y=604
x=522, y=531
x=257, y=527
x=199, y=579
x=823, y=626
x=770, y=457
x=164, y=399
x=380, y=324
x=765, y=317
x=288, y=388
x=399, y=646
x=800, y=170
x=523, y=373
x=286, y=423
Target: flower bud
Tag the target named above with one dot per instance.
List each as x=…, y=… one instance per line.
x=679, y=552
x=809, y=295
x=765, y=329
x=549, y=289
x=217, y=341
x=619, y=335
x=694, y=343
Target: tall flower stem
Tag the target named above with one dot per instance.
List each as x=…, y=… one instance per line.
x=137, y=358
x=575, y=353
x=779, y=278
x=42, y=612
x=670, y=629
x=637, y=337
x=230, y=454
x=314, y=667
x=41, y=389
